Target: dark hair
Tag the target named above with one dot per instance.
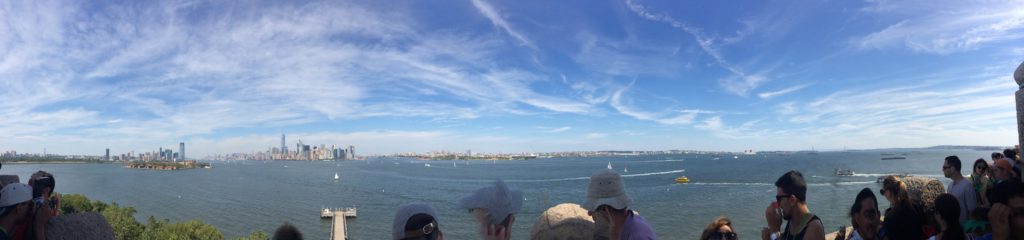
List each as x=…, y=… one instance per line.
x=287, y=231
x=864, y=194
x=996, y=155
x=1010, y=153
x=979, y=161
x=418, y=221
x=1005, y=190
x=948, y=209
x=713, y=227
x=793, y=183
x=954, y=161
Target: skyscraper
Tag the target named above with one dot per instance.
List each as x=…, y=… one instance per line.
x=351, y=152
x=181, y=150
x=107, y=156
x=284, y=149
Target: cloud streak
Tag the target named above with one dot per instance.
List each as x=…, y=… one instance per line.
x=773, y=94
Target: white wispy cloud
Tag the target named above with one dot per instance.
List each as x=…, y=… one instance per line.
x=618, y=103
x=739, y=83
x=488, y=11
x=772, y=94
x=556, y=130
x=166, y=74
x=941, y=28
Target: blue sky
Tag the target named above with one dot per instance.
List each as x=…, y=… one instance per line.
x=77, y=77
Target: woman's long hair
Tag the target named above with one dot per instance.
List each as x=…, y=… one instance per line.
x=893, y=185
x=948, y=209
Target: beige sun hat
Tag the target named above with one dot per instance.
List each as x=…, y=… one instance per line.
x=606, y=188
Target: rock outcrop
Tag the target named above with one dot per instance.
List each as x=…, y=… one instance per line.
x=79, y=226
x=565, y=221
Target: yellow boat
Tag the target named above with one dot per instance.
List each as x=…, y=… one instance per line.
x=682, y=179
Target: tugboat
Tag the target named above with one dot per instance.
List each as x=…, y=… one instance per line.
x=682, y=179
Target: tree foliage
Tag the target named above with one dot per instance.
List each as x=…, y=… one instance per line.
x=122, y=220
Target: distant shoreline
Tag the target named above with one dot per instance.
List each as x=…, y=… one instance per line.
x=57, y=162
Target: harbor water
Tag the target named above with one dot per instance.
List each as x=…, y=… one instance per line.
x=239, y=197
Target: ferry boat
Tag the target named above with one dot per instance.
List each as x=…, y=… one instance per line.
x=844, y=172
x=682, y=179
x=891, y=156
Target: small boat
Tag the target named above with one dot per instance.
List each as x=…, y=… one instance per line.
x=844, y=172
x=336, y=176
x=426, y=165
x=609, y=165
x=625, y=169
x=682, y=179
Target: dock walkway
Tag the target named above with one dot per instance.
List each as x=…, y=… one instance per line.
x=339, y=230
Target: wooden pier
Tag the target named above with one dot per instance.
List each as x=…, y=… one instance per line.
x=339, y=230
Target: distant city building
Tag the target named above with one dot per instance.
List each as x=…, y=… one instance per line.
x=181, y=151
x=351, y=152
x=107, y=156
x=284, y=149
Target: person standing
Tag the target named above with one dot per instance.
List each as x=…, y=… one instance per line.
x=904, y=219
x=982, y=183
x=960, y=188
x=494, y=209
x=607, y=199
x=791, y=199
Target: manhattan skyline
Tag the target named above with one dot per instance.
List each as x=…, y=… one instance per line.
x=501, y=76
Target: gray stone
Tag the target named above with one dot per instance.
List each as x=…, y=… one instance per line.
x=924, y=190
x=81, y=226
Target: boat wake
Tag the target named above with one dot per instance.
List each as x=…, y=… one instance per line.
x=653, y=173
x=669, y=160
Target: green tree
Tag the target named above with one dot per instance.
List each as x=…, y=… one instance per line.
x=257, y=235
x=73, y=203
x=122, y=220
x=192, y=229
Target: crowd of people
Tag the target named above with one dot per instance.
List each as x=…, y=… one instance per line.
x=988, y=204
x=25, y=208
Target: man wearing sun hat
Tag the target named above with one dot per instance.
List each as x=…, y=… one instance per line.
x=606, y=198
x=494, y=208
x=15, y=204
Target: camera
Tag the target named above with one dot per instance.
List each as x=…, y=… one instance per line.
x=39, y=184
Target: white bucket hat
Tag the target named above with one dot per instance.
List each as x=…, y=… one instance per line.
x=606, y=188
x=498, y=200
x=14, y=193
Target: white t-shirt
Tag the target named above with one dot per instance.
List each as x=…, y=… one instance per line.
x=964, y=193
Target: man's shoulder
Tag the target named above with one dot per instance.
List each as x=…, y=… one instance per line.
x=638, y=228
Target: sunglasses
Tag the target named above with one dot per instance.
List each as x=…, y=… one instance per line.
x=722, y=236
x=778, y=198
